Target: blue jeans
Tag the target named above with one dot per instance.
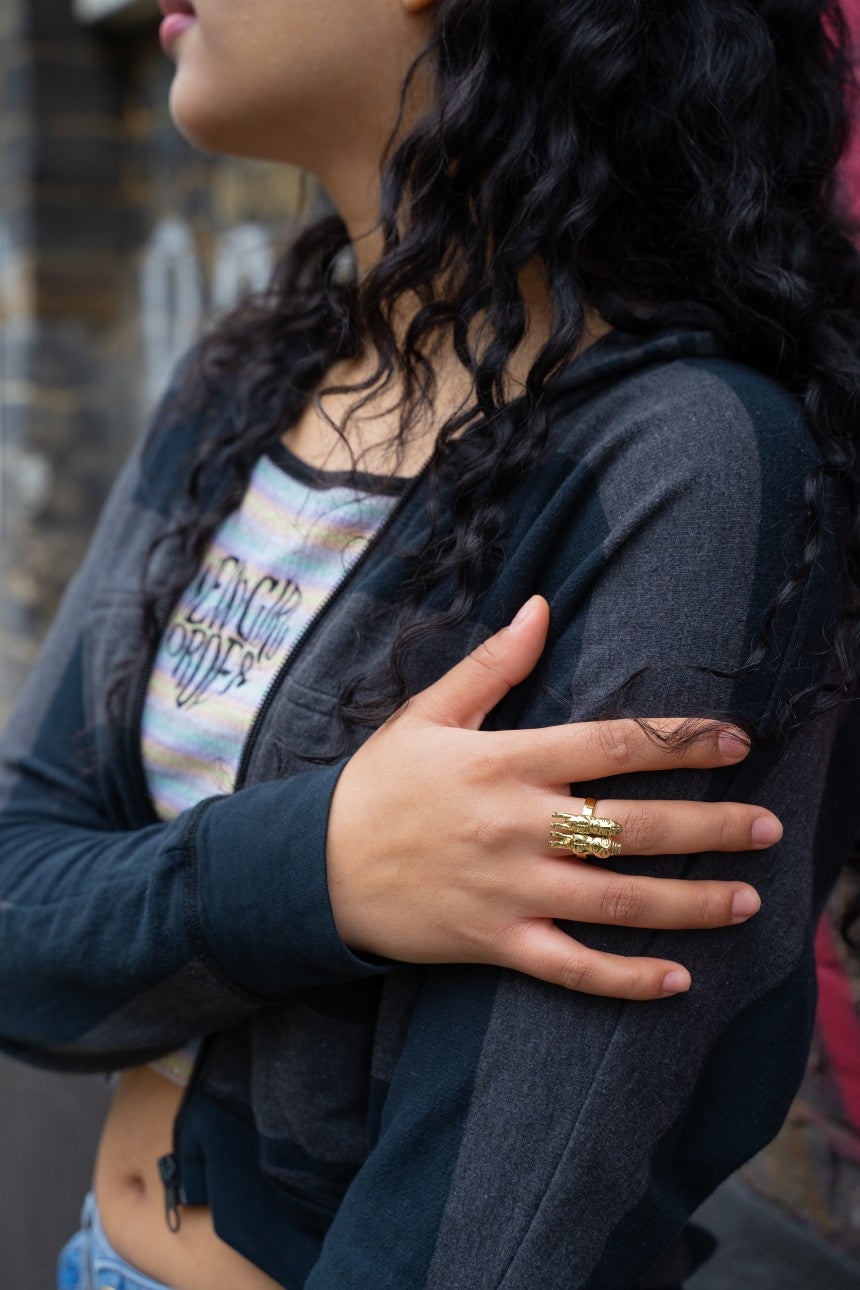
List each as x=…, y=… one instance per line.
x=89, y=1261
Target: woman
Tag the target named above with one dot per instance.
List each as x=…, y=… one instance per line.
x=583, y=333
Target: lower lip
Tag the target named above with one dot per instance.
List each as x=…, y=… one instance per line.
x=173, y=26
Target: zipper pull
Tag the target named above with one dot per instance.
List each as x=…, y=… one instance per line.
x=169, y=1171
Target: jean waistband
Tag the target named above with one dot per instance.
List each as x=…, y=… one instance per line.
x=107, y=1269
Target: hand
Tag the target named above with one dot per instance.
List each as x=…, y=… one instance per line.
x=438, y=834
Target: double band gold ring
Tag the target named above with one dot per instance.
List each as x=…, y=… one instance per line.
x=585, y=834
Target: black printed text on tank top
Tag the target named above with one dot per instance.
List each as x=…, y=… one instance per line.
x=232, y=624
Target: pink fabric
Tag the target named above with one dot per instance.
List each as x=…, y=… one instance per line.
x=839, y=1024
x=851, y=161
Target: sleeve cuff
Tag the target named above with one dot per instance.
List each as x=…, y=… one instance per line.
x=260, y=897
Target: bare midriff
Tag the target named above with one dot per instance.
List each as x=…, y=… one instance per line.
x=130, y=1195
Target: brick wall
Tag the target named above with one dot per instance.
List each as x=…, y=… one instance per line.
x=116, y=241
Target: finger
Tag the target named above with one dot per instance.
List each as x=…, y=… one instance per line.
x=467, y=692
x=676, y=828
x=586, y=750
x=588, y=895
x=543, y=950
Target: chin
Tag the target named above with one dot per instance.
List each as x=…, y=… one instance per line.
x=238, y=126
x=210, y=125
x=200, y=119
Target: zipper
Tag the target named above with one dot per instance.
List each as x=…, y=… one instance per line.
x=138, y=773
x=168, y=1166
x=169, y=1171
x=303, y=636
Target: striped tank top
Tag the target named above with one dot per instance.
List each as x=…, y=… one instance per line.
x=270, y=568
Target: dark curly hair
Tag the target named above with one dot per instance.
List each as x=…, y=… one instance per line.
x=659, y=159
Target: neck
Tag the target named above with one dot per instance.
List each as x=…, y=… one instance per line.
x=350, y=173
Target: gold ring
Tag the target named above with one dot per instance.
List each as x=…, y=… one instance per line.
x=585, y=834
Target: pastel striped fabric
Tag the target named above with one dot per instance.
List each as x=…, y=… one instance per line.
x=271, y=566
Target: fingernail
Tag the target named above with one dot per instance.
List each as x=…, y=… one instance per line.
x=745, y=904
x=732, y=747
x=526, y=612
x=676, y=982
x=765, y=831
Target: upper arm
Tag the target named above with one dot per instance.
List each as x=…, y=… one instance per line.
x=695, y=520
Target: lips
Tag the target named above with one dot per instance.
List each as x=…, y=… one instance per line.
x=179, y=17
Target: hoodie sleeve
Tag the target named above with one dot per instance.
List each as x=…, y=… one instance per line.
x=533, y=1136
x=118, y=944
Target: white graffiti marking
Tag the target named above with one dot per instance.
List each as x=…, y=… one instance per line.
x=243, y=262
x=171, y=297
x=172, y=292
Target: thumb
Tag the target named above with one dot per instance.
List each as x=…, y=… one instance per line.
x=466, y=693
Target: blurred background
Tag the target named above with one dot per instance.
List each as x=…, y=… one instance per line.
x=117, y=242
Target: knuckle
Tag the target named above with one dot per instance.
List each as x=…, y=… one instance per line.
x=487, y=656
x=575, y=974
x=725, y=829
x=645, y=830
x=613, y=743
x=638, y=983
x=705, y=910
x=513, y=947
x=503, y=945
x=622, y=902
x=489, y=827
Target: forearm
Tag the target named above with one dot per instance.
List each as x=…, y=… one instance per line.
x=117, y=945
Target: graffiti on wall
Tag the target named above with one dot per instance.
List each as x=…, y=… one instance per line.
x=177, y=297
